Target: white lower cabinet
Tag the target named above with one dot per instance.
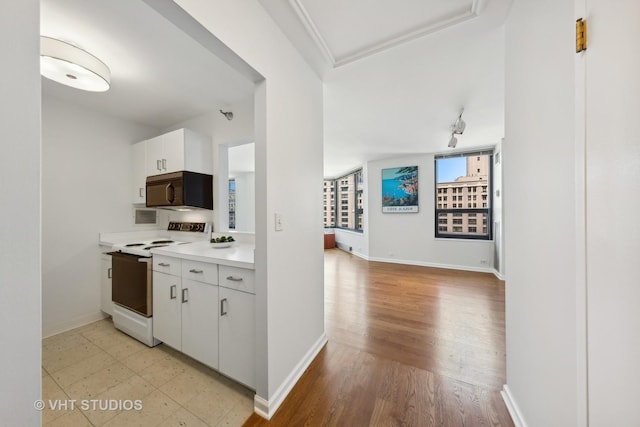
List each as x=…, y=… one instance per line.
x=200, y=321
x=106, y=305
x=207, y=312
x=185, y=316
x=236, y=328
x=167, y=309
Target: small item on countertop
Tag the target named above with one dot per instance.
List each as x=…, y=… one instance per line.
x=223, y=239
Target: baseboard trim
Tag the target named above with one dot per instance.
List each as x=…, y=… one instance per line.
x=433, y=264
x=266, y=408
x=512, y=407
x=498, y=274
x=345, y=248
x=73, y=323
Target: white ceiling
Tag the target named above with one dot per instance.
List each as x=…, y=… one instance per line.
x=347, y=31
x=395, y=72
x=159, y=75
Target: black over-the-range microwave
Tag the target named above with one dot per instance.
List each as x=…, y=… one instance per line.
x=178, y=190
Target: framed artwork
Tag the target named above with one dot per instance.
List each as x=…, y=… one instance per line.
x=400, y=189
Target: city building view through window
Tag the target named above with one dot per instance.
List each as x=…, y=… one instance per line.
x=343, y=206
x=232, y=204
x=463, y=196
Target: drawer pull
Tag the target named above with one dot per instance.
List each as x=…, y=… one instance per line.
x=234, y=279
x=164, y=264
x=193, y=270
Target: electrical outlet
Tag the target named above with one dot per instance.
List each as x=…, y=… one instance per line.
x=483, y=261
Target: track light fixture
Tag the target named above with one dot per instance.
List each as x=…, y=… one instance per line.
x=456, y=129
x=453, y=141
x=459, y=125
x=227, y=114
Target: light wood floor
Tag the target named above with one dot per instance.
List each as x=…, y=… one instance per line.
x=408, y=346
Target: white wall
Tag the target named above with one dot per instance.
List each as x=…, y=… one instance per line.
x=288, y=136
x=245, y=201
x=612, y=206
x=540, y=191
x=385, y=104
x=86, y=180
x=230, y=133
x=409, y=238
x=20, y=376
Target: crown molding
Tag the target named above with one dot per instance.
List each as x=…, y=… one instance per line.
x=334, y=61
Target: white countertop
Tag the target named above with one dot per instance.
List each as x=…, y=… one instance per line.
x=238, y=255
x=110, y=239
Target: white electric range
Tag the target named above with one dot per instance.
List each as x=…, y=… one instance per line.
x=132, y=277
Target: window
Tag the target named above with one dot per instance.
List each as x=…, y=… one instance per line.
x=348, y=189
x=473, y=172
x=329, y=200
x=232, y=204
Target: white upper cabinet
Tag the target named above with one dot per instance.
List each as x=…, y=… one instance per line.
x=182, y=149
x=139, y=172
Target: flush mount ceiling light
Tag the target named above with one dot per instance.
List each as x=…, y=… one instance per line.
x=69, y=65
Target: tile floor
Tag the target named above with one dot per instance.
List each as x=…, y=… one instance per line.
x=107, y=373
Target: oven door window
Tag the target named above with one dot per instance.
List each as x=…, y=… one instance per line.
x=131, y=283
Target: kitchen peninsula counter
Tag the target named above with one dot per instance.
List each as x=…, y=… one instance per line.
x=238, y=255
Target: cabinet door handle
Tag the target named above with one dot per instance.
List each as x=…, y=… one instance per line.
x=164, y=164
x=109, y=273
x=193, y=270
x=234, y=279
x=163, y=264
x=158, y=165
x=140, y=190
x=185, y=295
x=172, y=292
x=223, y=312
